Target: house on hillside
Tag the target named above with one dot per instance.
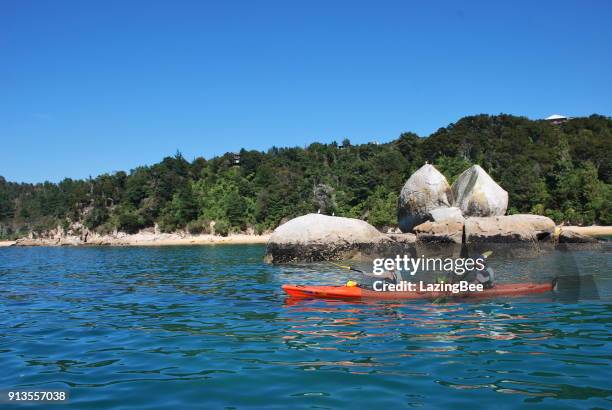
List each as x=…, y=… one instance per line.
x=556, y=119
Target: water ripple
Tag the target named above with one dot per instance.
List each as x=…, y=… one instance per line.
x=208, y=326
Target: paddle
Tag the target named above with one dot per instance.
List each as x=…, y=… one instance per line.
x=347, y=267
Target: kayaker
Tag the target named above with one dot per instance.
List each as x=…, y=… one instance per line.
x=486, y=276
x=391, y=277
x=369, y=277
x=387, y=276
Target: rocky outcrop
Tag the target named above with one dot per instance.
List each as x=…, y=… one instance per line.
x=443, y=235
x=568, y=236
x=68, y=240
x=477, y=194
x=397, y=244
x=445, y=214
x=445, y=226
x=36, y=242
x=405, y=238
x=499, y=229
x=425, y=190
x=543, y=226
x=569, y=239
x=446, y=231
x=316, y=237
x=505, y=235
x=596, y=231
x=521, y=228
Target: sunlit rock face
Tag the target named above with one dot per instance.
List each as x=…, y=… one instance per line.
x=477, y=194
x=427, y=189
x=543, y=226
x=317, y=237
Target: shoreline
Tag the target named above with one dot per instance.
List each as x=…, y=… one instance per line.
x=237, y=239
x=142, y=240
x=176, y=239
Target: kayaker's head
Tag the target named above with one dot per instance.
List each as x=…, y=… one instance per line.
x=485, y=276
x=484, y=256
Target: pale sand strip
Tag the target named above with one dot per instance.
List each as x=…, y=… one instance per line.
x=144, y=240
x=589, y=230
x=196, y=240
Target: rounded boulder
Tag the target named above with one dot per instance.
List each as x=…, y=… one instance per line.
x=427, y=189
x=317, y=237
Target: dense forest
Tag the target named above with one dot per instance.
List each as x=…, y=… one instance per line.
x=563, y=171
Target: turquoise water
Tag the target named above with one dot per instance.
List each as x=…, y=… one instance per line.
x=208, y=327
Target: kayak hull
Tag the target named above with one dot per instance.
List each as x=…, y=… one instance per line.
x=354, y=292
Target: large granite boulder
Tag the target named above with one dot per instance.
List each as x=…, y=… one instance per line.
x=445, y=226
x=425, y=190
x=445, y=214
x=477, y=194
x=439, y=232
x=543, y=226
x=405, y=238
x=317, y=237
x=442, y=235
x=498, y=229
x=507, y=236
x=450, y=231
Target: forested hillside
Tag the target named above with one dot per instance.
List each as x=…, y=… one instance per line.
x=562, y=171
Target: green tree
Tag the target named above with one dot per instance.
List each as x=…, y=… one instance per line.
x=129, y=221
x=235, y=209
x=383, y=208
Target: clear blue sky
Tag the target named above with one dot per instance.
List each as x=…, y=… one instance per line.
x=91, y=87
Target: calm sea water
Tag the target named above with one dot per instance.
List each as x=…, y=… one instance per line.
x=208, y=327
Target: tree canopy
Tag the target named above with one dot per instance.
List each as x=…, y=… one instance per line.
x=563, y=171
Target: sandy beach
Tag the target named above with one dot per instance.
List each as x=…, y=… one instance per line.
x=200, y=240
x=597, y=231
x=141, y=239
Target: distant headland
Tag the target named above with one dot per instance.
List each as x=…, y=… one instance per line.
x=555, y=169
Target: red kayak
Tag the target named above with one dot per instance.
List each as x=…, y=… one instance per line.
x=355, y=292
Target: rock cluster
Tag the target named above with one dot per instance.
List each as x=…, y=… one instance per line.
x=434, y=217
x=427, y=196
x=473, y=213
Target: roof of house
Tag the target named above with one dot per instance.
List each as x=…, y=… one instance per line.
x=556, y=117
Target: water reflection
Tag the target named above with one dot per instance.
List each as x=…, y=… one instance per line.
x=477, y=340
